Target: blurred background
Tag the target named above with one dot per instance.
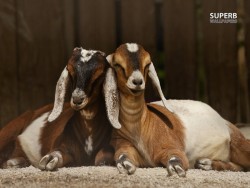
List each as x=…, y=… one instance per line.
x=194, y=59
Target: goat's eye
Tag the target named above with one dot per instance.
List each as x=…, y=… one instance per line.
x=119, y=67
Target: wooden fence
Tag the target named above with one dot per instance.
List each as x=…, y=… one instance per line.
x=195, y=59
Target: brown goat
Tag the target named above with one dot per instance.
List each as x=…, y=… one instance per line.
x=191, y=135
x=72, y=134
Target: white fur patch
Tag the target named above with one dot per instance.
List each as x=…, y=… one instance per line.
x=30, y=139
x=89, y=145
x=207, y=134
x=87, y=54
x=132, y=47
x=136, y=75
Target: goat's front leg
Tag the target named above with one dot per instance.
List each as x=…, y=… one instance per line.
x=105, y=156
x=18, y=158
x=127, y=159
x=175, y=161
x=55, y=160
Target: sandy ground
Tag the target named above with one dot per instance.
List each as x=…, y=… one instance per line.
x=109, y=177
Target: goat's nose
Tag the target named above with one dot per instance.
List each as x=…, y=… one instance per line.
x=77, y=100
x=137, y=81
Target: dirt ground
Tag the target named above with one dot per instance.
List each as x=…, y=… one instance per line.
x=109, y=177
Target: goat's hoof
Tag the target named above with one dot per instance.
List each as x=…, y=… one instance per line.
x=51, y=161
x=174, y=166
x=18, y=162
x=204, y=164
x=125, y=166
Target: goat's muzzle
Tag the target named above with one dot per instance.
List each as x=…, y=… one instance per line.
x=78, y=99
x=136, y=83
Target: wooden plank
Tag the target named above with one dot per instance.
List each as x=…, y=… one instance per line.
x=96, y=24
x=41, y=50
x=179, y=43
x=8, y=62
x=220, y=57
x=138, y=23
x=247, y=40
x=69, y=26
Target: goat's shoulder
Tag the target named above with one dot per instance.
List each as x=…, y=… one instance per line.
x=167, y=117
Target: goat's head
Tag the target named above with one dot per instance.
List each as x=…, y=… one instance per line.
x=131, y=64
x=86, y=71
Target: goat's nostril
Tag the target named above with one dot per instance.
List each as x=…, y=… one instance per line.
x=137, y=82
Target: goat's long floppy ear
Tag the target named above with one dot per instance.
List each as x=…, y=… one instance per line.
x=61, y=88
x=111, y=97
x=155, y=80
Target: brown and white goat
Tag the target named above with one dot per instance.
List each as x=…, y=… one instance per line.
x=191, y=135
x=72, y=134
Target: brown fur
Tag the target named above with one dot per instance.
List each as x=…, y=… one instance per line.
x=10, y=132
x=161, y=141
x=239, y=148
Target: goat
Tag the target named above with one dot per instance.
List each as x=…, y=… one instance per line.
x=184, y=134
x=70, y=134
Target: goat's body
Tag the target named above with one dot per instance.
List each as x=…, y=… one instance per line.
x=143, y=138
x=71, y=134
x=207, y=134
x=195, y=131
x=30, y=139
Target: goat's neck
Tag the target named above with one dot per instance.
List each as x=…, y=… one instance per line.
x=95, y=127
x=90, y=111
x=132, y=113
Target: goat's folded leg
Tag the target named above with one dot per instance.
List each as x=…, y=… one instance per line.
x=17, y=162
x=175, y=161
x=54, y=160
x=208, y=164
x=105, y=156
x=17, y=159
x=127, y=160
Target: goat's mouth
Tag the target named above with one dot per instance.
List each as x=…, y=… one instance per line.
x=79, y=106
x=136, y=91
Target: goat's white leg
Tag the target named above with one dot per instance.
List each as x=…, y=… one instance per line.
x=51, y=161
x=124, y=165
x=175, y=160
x=17, y=162
x=208, y=164
x=174, y=166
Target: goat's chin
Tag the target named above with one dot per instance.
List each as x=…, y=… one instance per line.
x=78, y=107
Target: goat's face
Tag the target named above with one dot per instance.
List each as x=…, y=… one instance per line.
x=131, y=63
x=87, y=71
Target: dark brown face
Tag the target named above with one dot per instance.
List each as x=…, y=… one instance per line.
x=87, y=71
x=131, y=63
